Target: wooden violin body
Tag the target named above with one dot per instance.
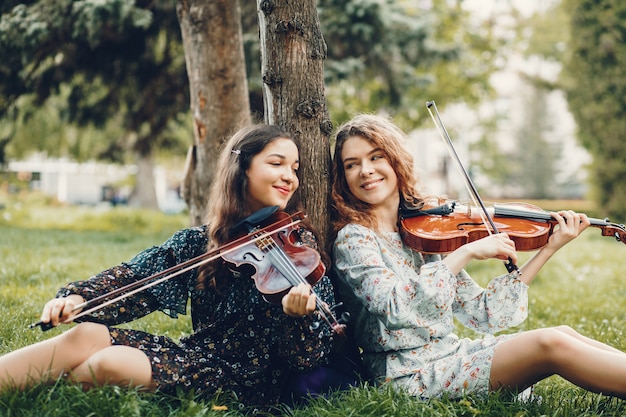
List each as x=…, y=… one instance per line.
x=446, y=228
x=278, y=263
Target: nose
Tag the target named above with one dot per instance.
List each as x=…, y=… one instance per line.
x=366, y=169
x=288, y=174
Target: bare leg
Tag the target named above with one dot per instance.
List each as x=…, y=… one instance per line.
x=534, y=355
x=51, y=358
x=115, y=365
x=591, y=342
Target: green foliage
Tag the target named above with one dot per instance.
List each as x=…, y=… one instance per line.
x=546, y=37
x=595, y=81
x=532, y=164
x=95, y=18
x=104, y=62
x=393, y=56
x=383, y=55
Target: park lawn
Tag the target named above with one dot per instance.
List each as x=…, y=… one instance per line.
x=45, y=247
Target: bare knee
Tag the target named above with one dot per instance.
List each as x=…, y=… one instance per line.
x=555, y=343
x=117, y=365
x=567, y=330
x=86, y=338
x=100, y=369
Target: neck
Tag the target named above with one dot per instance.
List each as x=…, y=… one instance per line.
x=387, y=216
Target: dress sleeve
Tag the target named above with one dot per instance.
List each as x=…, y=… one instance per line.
x=402, y=292
x=499, y=306
x=169, y=296
x=393, y=298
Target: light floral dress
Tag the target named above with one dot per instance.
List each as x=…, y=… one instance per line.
x=404, y=304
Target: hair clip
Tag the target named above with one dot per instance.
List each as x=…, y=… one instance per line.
x=236, y=151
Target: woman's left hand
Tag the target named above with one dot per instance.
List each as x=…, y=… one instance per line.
x=570, y=225
x=299, y=301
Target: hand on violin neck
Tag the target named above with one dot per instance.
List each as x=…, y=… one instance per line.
x=569, y=226
x=299, y=301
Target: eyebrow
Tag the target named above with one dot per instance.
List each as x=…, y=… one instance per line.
x=281, y=156
x=375, y=150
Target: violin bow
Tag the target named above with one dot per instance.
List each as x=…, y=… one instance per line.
x=155, y=279
x=473, y=192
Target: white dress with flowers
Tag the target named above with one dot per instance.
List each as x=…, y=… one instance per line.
x=403, y=306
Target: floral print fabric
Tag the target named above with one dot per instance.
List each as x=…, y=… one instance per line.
x=241, y=343
x=405, y=303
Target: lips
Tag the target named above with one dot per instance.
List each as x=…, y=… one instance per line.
x=371, y=184
x=283, y=190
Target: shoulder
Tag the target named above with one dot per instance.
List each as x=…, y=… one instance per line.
x=198, y=232
x=193, y=236
x=355, y=237
x=353, y=231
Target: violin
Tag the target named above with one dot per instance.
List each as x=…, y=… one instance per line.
x=527, y=225
x=445, y=228
x=279, y=265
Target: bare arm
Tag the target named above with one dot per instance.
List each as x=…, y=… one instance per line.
x=570, y=225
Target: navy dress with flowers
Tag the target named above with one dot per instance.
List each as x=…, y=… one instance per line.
x=240, y=344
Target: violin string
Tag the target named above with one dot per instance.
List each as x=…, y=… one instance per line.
x=281, y=257
x=290, y=271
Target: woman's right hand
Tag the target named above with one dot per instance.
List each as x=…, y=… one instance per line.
x=496, y=246
x=59, y=310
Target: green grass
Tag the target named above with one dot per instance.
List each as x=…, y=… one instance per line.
x=44, y=246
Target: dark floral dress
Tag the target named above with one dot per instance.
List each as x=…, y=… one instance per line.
x=241, y=343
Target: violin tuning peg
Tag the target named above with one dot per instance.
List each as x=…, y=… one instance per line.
x=344, y=318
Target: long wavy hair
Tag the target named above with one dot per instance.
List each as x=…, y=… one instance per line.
x=229, y=197
x=382, y=133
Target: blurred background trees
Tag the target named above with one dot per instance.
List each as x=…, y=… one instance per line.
x=107, y=79
x=107, y=76
x=594, y=79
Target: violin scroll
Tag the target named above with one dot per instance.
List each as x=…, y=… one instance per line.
x=618, y=231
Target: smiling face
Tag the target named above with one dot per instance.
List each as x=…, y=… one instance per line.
x=272, y=178
x=369, y=175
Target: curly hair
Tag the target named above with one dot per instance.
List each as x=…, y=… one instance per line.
x=383, y=134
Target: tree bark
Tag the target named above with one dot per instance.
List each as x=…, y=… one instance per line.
x=292, y=65
x=212, y=40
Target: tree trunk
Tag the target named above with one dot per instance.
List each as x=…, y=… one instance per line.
x=292, y=65
x=212, y=39
x=144, y=193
